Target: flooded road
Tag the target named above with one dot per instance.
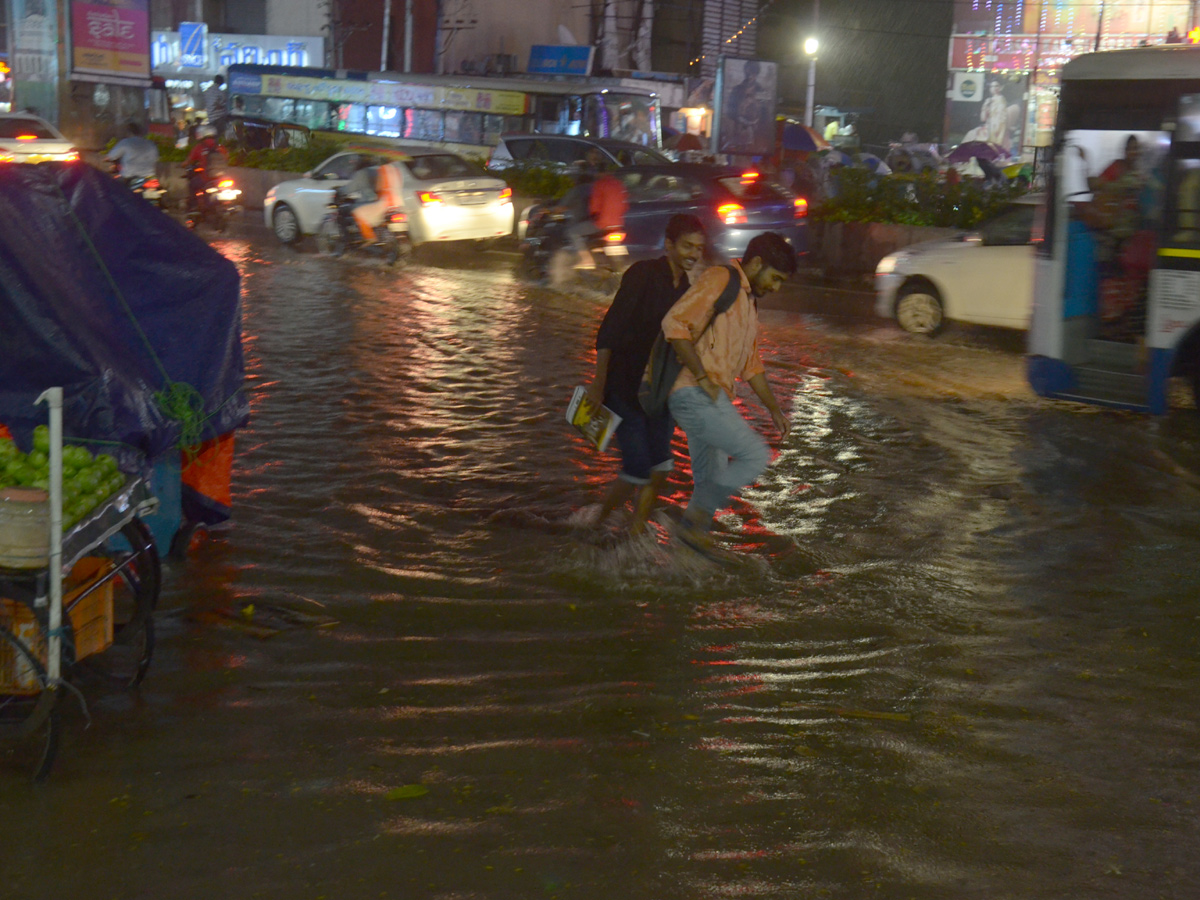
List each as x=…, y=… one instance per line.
x=956, y=655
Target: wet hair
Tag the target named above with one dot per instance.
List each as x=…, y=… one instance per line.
x=135, y=128
x=684, y=223
x=218, y=80
x=773, y=250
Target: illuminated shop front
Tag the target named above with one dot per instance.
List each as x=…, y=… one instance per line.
x=1006, y=55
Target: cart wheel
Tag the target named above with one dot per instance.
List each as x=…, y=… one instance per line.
x=135, y=594
x=29, y=723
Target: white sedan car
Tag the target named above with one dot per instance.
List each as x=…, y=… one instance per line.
x=26, y=138
x=984, y=276
x=446, y=197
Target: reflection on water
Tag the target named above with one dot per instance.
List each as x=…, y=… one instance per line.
x=953, y=655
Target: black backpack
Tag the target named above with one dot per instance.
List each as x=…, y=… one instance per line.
x=664, y=365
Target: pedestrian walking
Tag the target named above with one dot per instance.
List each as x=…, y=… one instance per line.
x=633, y=321
x=727, y=454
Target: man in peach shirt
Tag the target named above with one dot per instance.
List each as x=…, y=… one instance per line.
x=727, y=454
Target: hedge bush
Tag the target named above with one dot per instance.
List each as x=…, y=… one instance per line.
x=912, y=200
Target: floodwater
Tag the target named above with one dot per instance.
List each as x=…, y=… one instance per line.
x=954, y=654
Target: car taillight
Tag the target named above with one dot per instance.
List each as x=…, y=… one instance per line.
x=6, y=157
x=72, y=156
x=750, y=177
x=151, y=183
x=429, y=198
x=731, y=214
x=227, y=183
x=506, y=195
x=615, y=237
x=397, y=216
x=800, y=207
x=26, y=137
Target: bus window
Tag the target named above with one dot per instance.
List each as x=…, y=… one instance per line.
x=464, y=128
x=552, y=116
x=423, y=124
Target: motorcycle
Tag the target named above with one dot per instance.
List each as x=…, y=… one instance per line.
x=339, y=233
x=545, y=240
x=149, y=188
x=212, y=200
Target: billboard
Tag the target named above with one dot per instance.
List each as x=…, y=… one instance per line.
x=746, y=107
x=110, y=41
x=35, y=56
x=987, y=107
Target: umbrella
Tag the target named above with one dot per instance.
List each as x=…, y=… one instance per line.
x=976, y=150
x=802, y=138
x=836, y=158
x=682, y=142
x=873, y=162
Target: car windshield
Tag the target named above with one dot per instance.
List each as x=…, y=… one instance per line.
x=441, y=165
x=11, y=129
x=752, y=187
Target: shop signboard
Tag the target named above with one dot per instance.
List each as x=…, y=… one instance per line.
x=194, y=52
x=561, y=59
x=110, y=41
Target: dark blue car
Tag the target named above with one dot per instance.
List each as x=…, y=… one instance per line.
x=734, y=205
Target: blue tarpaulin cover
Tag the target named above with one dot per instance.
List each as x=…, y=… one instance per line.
x=108, y=297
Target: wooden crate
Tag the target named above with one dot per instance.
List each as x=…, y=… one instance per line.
x=91, y=621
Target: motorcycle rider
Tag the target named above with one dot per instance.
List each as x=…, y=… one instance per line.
x=136, y=155
x=204, y=161
x=375, y=200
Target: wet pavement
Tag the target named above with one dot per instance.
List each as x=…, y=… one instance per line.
x=954, y=653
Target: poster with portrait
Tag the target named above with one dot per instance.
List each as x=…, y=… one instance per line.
x=987, y=106
x=746, y=106
x=110, y=41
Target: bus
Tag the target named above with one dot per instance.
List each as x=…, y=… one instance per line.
x=463, y=113
x=1117, y=279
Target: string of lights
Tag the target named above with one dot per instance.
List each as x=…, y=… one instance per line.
x=737, y=34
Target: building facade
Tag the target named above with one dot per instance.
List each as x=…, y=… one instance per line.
x=1005, y=58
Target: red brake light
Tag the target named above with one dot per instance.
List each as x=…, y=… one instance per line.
x=227, y=183
x=801, y=207
x=731, y=214
x=615, y=237
x=398, y=216
x=27, y=137
x=429, y=198
x=72, y=156
x=506, y=195
x=750, y=176
x=151, y=183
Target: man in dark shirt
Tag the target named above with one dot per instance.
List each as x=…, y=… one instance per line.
x=648, y=289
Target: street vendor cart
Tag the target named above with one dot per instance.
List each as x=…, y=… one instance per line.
x=82, y=612
x=121, y=337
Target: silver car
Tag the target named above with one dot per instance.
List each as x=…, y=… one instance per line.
x=446, y=197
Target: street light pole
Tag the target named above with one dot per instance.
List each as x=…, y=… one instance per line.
x=810, y=48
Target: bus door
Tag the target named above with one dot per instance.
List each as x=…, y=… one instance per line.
x=1088, y=334
x=1172, y=335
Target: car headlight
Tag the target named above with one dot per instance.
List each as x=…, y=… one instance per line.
x=888, y=264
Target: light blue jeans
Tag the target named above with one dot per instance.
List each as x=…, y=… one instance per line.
x=727, y=454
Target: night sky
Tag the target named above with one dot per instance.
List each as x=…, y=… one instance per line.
x=886, y=58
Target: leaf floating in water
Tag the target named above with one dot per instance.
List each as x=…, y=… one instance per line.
x=407, y=792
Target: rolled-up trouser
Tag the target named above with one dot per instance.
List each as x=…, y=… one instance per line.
x=727, y=454
x=369, y=216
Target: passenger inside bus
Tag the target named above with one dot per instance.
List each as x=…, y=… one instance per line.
x=1112, y=237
